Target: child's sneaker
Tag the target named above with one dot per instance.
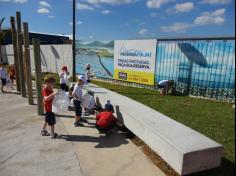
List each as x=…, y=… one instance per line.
x=55, y=135
x=78, y=124
x=44, y=133
x=82, y=120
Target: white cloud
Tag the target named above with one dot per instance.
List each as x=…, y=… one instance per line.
x=16, y=1
x=77, y=23
x=213, y=2
x=43, y=10
x=113, y=2
x=20, y=1
x=106, y=12
x=81, y=6
x=217, y=17
x=184, y=7
x=157, y=3
x=44, y=4
x=91, y=37
x=177, y=27
x=143, y=31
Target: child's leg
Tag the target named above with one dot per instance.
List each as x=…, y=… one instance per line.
x=44, y=126
x=52, y=130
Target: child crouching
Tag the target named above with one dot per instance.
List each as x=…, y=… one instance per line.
x=48, y=95
x=105, y=121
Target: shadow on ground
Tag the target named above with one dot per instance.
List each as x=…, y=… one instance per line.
x=111, y=141
x=227, y=169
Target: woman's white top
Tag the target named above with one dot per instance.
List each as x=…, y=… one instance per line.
x=77, y=92
x=88, y=74
x=64, y=78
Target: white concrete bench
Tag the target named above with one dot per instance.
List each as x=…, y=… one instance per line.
x=184, y=149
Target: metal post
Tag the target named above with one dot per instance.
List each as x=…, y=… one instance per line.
x=38, y=75
x=74, y=40
x=20, y=54
x=28, y=64
x=16, y=61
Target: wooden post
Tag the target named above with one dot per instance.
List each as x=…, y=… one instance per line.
x=38, y=75
x=74, y=42
x=20, y=54
x=16, y=62
x=28, y=64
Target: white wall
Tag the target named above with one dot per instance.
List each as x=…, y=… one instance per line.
x=53, y=57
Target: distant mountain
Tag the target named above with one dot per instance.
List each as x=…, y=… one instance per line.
x=101, y=44
x=109, y=45
x=96, y=43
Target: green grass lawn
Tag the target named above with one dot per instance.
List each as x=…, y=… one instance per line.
x=214, y=119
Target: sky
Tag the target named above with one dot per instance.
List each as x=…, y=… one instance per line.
x=126, y=19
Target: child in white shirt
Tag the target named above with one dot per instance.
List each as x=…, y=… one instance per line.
x=3, y=76
x=64, y=79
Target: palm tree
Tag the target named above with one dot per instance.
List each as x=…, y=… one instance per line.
x=3, y=34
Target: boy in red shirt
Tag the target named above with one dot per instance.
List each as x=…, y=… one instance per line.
x=105, y=121
x=48, y=95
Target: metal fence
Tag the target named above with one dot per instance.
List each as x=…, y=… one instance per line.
x=201, y=67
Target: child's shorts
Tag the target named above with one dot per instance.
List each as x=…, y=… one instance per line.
x=50, y=118
x=78, y=109
x=4, y=81
x=64, y=87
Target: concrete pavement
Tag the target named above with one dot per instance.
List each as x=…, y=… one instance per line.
x=79, y=151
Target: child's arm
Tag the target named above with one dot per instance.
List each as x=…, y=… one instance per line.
x=50, y=97
x=116, y=119
x=98, y=116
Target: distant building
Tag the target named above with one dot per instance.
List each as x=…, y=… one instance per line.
x=45, y=38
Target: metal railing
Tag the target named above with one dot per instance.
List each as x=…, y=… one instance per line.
x=200, y=66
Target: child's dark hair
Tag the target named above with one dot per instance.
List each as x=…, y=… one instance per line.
x=108, y=107
x=49, y=80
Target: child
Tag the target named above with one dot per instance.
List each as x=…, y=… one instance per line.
x=12, y=73
x=70, y=96
x=78, y=94
x=98, y=106
x=109, y=103
x=105, y=121
x=64, y=79
x=48, y=95
x=165, y=86
x=3, y=76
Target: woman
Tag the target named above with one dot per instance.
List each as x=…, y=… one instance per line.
x=88, y=72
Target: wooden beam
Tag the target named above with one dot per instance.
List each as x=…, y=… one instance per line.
x=20, y=54
x=16, y=61
x=38, y=75
x=27, y=64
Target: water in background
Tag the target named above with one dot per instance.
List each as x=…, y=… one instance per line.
x=96, y=68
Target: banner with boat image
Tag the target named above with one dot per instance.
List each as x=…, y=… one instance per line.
x=99, y=54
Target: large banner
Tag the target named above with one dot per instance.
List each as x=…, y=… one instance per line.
x=135, y=60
